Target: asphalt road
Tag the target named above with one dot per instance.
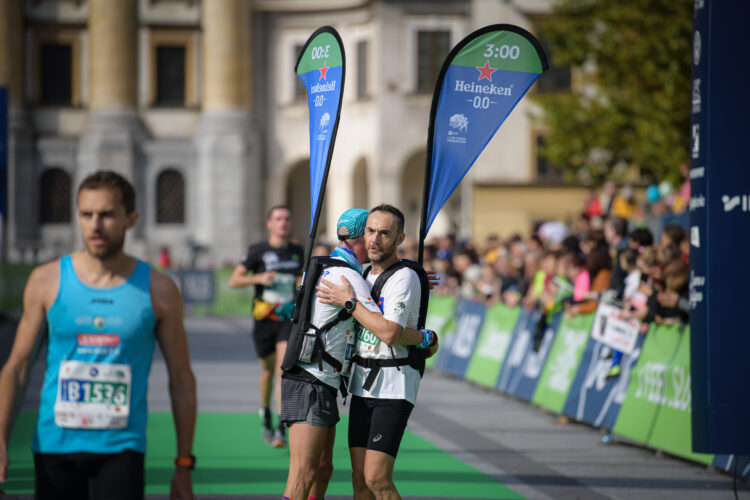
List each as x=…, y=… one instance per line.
x=512, y=441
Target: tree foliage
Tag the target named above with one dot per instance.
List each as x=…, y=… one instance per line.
x=629, y=109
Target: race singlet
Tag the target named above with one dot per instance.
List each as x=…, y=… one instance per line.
x=100, y=347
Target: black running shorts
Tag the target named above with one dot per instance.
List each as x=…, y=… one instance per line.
x=267, y=333
x=378, y=424
x=308, y=403
x=114, y=476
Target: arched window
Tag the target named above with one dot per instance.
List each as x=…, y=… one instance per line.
x=55, y=197
x=170, y=197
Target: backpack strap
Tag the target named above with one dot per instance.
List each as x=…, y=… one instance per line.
x=416, y=357
x=301, y=323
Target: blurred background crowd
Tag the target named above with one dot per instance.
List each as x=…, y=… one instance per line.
x=634, y=245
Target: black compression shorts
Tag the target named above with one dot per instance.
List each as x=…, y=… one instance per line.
x=378, y=424
x=114, y=476
x=267, y=334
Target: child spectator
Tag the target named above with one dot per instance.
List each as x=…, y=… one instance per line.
x=673, y=303
x=598, y=264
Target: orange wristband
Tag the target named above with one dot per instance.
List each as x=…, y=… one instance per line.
x=188, y=462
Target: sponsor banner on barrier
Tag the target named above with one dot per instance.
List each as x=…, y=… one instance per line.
x=492, y=346
x=13, y=279
x=521, y=345
x=469, y=317
x=523, y=383
x=672, y=426
x=439, y=360
x=197, y=286
x=646, y=391
x=657, y=408
x=562, y=362
x=440, y=318
x=727, y=464
x=595, y=398
x=610, y=329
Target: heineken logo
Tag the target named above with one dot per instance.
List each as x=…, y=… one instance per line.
x=323, y=87
x=477, y=88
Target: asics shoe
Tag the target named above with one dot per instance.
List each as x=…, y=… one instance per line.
x=279, y=438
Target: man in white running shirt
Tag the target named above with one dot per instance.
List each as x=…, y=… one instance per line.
x=309, y=390
x=382, y=400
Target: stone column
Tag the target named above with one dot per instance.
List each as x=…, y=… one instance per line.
x=229, y=179
x=113, y=51
x=21, y=226
x=114, y=134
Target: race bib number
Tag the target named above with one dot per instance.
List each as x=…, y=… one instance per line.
x=93, y=395
x=367, y=337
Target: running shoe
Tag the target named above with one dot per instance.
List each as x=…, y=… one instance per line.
x=614, y=371
x=266, y=431
x=279, y=438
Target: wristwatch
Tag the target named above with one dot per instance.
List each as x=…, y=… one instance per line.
x=188, y=462
x=350, y=304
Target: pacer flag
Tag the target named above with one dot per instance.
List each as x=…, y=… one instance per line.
x=321, y=68
x=480, y=83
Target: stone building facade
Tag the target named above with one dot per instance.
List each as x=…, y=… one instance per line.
x=196, y=101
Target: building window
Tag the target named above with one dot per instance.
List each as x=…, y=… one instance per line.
x=56, y=66
x=170, y=75
x=300, y=92
x=56, y=74
x=362, y=48
x=170, y=198
x=432, y=49
x=545, y=170
x=172, y=80
x=54, y=197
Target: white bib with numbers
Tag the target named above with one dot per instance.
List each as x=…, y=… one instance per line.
x=93, y=395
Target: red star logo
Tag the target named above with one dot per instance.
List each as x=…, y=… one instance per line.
x=324, y=70
x=485, y=71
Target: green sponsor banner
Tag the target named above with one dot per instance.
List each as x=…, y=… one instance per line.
x=440, y=318
x=229, y=301
x=497, y=332
x=324, y=49
x=506, y=50
x=672, y=430
x=13, y=279
x=646, y=388
x=656, y=410
x=562, y=362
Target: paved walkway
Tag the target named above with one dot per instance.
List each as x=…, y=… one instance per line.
x=511, y=441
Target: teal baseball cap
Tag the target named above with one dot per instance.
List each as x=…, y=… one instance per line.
x=351, y=224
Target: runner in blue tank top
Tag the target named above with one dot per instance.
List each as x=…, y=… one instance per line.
x=105, y=311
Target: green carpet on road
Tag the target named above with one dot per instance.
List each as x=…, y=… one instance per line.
x=233, y=459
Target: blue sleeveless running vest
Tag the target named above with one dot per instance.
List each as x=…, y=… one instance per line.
x=99, y=352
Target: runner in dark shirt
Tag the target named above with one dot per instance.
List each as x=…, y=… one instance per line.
x=275, y=265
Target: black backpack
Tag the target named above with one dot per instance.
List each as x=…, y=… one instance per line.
x=303, y=333
x=416, y=358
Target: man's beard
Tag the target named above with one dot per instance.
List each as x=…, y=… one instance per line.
x=386, y=254
x=109, y=249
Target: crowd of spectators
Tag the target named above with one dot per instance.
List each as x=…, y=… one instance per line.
x=635, y=251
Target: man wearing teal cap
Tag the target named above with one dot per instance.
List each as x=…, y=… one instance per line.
x=308, y=392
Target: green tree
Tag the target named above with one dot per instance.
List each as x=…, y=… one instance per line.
x=630, y=108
